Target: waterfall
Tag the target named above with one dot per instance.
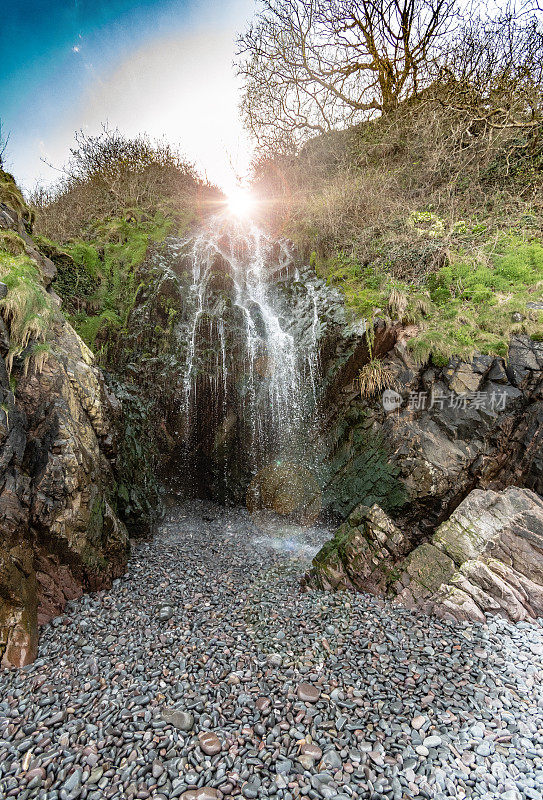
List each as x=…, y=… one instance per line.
x=250, y=383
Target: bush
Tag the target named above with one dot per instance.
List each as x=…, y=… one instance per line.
x=112, y=176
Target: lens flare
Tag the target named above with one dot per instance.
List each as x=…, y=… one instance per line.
x=240, y=202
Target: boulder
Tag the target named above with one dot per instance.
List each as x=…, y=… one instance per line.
x=362, y=555
x=486, y=558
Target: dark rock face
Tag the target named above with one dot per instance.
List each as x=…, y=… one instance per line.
x=285, y=489
x=456, y=442
x=455, y=428
x=203, y=353
x=59, y=534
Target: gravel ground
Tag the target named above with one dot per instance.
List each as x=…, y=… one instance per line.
x=205, y=673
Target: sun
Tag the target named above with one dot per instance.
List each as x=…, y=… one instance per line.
x=241, y=202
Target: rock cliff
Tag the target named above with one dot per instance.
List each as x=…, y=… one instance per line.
x=59, y=533
x=443, y=454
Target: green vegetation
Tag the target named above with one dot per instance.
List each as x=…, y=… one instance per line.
x=474, y=303
x=430, y=214
x=106, y=271
x=27, y=309
x=11, y=196
x=11, y=242
x=118, y=195
x=98, y=278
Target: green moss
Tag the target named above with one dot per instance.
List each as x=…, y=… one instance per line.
x=96, y=520
x=138, y=492
x=363, y=473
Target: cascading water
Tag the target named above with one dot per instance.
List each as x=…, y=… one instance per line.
x=250, y=383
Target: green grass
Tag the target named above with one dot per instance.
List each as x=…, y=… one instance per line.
x=464, y=307
x=108, y=261
x=27, y=309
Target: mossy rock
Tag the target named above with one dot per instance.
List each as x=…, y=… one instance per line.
x=12, y=197
x=429, y=567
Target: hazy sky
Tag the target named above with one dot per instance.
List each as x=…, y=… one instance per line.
x=162, y=67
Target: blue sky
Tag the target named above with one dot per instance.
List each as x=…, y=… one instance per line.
x=162, y=67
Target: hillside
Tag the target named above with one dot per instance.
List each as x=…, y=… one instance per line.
x=424, y=218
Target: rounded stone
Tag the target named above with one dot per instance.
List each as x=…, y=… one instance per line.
x=210, y=744
x=308, y=693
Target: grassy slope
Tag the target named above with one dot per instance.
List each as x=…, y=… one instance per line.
x=468, y=305
x=414, y=221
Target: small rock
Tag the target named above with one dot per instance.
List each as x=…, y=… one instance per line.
x=432, y=741
x=308, y=693
x=182, y=720
x=210, y=744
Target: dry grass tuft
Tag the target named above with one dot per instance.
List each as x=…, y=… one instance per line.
x=27, y=309
x=375, y=377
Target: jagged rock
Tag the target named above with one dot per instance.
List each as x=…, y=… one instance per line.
x=486, y=558
x=59, y=533
x=462, y=377
x=458, y=427
x=362, y=555
x=18, y=605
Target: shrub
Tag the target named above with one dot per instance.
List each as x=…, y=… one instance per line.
x=112, y=176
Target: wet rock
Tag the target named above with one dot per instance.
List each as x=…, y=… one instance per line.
x=484, y=559
x=312, y=750
x=362, y=555
x=165, y=612
x=210, y=743
x=206, y=793
x=286, y=489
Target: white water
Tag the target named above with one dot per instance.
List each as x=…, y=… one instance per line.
x=275, y=377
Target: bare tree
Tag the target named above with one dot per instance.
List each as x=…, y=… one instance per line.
x=313, y=65
x=493, y=70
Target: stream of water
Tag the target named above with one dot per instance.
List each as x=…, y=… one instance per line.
x=244, y=361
